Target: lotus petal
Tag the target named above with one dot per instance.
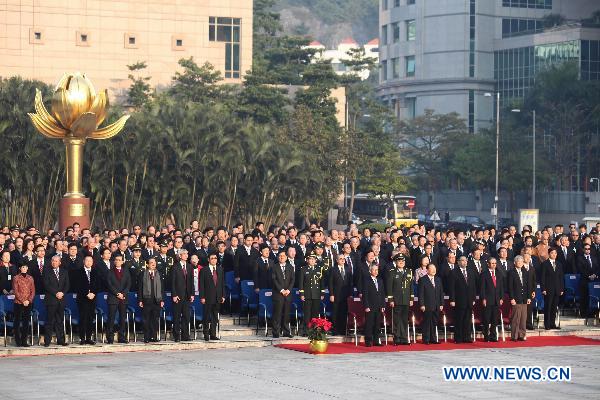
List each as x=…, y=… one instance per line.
x=100, y=106
x=61, y=109
x=40, y=108
x=84, y=125
x=80, y=94
x=111, y=130
x=47, y=128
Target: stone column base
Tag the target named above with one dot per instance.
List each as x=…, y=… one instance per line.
x=74, y=209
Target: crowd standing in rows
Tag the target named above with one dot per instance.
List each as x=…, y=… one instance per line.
x=392, y=267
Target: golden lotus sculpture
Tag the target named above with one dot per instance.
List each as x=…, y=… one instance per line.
x=77, y=112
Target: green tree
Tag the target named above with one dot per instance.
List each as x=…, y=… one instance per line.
x=139, y=91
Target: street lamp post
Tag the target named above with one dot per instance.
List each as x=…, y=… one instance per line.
x=533, y=180
x=497, y=153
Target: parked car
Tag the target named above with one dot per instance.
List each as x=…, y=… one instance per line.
x=356, y=219
x=465, y=223
x=502, y=223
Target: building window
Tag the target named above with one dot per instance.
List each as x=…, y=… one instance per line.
x=36, y=36
x=590, y=59
x=539, y=4
x=410, y=29
x=472, y=38
x=228, y=31
x=395, y=68
x=384, y=5
x=410, y=65
x=410, y=103
x=516, y=26
x=383, y=77
x=82, y=38
x=396, y=3
x=178, y=42
x=471, y=111
x=384, y=35
x=409, y=2
x=130, y=41
x=396, y=32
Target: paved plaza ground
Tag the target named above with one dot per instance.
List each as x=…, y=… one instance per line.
x=273, y=373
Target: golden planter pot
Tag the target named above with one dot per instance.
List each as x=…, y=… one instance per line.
x=318, y=346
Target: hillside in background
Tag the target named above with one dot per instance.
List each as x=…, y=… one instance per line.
x=330, y=21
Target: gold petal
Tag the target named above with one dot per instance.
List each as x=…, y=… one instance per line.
x=84, y=125
x=63, y=82
x=61, y=108
x=111, y=130
x=80, y=95
x=45, y=128
x=40, y=108
x=100, y=106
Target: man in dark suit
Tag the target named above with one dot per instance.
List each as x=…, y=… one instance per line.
x=211, y=291
x=245, y=260
x=587, y=268
x=118, y=285
x=183, y=294
x=56, y=285
x=529, y=270
x=135, y=266
x=447, y=272
x=37, y=266
x=311, y=289
x=517, y=292
x=552, y=285
x=150, y=297
x=340, y=288
x=492, y=292
x=431, y=300
x=72, y=262
x=86, y=284
x=224, y=257
x=263, y=268
x=283, y=283
x=400, y=297
x=374, y=301
x=566, y=255
x=462, y=299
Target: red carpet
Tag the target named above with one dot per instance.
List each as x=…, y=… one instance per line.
x=536, y=341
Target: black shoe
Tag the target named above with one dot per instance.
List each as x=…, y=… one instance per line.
x=185, y=339
x=425, y=343
x=63, y=344
x=90, y=342
x=176, y=340
x=110, y=341
x=123, y=341
x=494, y=340
x=46, y=344
x=82, y=342
x=289, y=335
x=275, y=336
x=154, y=340
x=556, y=327
x=513, y=340
x=529, y=327
x=458, y=341
x=25, y=344
x=396, y=342
x=405, y=343
x=206, y=338
x=521, y=339
x=378, y=344
x=146, y=341
x=369, y=344
x=214, y=338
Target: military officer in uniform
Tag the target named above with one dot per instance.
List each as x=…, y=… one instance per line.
x=311, y=289
x=135, y=266
x=400, y=297
x=164, y=265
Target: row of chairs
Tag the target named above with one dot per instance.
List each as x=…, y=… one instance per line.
x=133, y=315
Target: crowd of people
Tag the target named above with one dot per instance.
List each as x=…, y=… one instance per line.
x=392, y=268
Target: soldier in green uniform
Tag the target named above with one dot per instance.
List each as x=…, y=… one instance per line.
x=311, y=289
x=136, y=265
x=164, y=265
x=400, y=297
x=323, y=263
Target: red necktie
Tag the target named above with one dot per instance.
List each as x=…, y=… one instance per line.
x=214, y=275
x=494, y=278
x=41, y=267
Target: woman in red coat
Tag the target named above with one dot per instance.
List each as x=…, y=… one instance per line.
x=24, y=290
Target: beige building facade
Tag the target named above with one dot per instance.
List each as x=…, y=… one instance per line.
x=42, y=39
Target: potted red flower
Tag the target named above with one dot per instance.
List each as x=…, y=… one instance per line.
x=318, y=329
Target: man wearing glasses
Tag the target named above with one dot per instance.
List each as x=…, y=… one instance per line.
x=211, y=288
x=587, y=267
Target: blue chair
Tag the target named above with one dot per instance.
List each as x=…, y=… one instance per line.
x=249, y=299
x=538, y=304
x=135, y=312
x=197, y=316
x=39, y=313
x=167, y=312
x=232, y=289
x=572, y=290
x=296, y=308
x=594, y=298
x=265, y=308
x=6, y=309
x=326, y=307
x=72, y=312
x=102, y=313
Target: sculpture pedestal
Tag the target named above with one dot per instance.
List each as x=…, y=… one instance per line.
x=74, y=209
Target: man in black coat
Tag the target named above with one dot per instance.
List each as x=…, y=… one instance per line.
x=263, y=270
x=86, y=284
x=431, y=300
x=150, y=297
x=283, y=283
x=118, y=282
x=72, y=262
x=183, y=295
x=462, y=298
x=211, y=289
x=374, y=301
x=245, y=260
x=492, y=292
x=400, y=296
x=446, y=272
x=340, y=288
x=37, y=267
x=56, y=285
x=553, y=286
x=587, y=268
